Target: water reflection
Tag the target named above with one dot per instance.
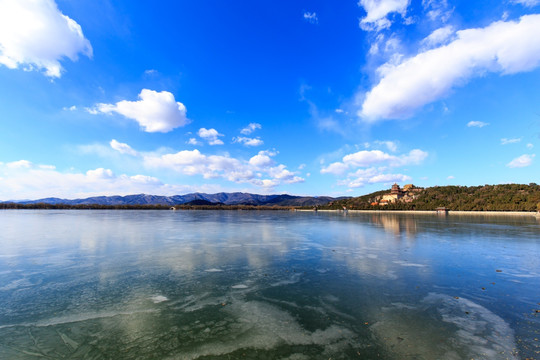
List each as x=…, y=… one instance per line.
x=397, y=224
x=189, y=284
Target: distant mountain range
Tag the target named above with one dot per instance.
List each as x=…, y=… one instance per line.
x=236, y=198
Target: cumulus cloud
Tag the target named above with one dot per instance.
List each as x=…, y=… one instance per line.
x=363, y=177
x=262, y=159
x=521, y=161
x=530, y=146
x=35, y=181
x=502, y=47
x=311, y=17
x=371, y=166
x=505, y=141
x=366, y=158
x=154, y=111
x=123, y=148
x=377, y=12
x=37, y=36
x=479, y=124
x=211, y=136
x=248, y=141
x=252, y=171
x=250, y=128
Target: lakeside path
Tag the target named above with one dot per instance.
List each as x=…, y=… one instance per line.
x=433, y=212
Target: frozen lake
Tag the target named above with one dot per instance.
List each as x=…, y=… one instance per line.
x=267, y=285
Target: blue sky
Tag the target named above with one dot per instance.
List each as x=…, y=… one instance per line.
x=102, y=97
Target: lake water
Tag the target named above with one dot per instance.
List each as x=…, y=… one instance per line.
x=267, y=285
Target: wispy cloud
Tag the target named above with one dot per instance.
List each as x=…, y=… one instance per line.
x=250, y=128
x=527, y=3
x=193, y=141
x=248, y=141
x=311, y=17
x=504, y=47
x=505, y=141
x=123, y=148
x=25, y=180
x=521, y=161
x=377, y=12
x=479, y=124
x=372, y=166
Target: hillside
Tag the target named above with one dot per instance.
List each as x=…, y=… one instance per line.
x=236, y=198
x=506, y=197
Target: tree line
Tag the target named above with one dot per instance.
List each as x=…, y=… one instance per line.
x=505, y=197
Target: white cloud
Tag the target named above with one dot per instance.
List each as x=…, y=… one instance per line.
x=437, y=10
x=193, y=162
x=450, y=177
x=505, y=141
x=366, y=158
x=311, y=17
x=438, y=37
x=363, y=177
x=479, y=124
x=248, y=141
x=193, y=141
x=250, y=128
x=155, y=111
x=336, y=168
x=21, y=164
x=530, y=146
x=371, y=166
x=392, y=146
x=34, y=181
x=521, y=161
x=211, y=136
x=527, y=3
x=123, y=148
x=71, y=108
x=502, y=47
x=37, y=36
x=378, y=11
x=100, y=173
x=92, y=111
x=262, y=159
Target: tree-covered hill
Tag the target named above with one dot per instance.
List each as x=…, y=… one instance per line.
x=506, y=197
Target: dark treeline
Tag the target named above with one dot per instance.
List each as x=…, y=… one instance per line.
x=45, y=206
x=231, y=207
x=82, y=206
x=507, y=197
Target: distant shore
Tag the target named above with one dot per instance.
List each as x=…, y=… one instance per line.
x=434, y=212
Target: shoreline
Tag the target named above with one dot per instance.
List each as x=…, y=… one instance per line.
x=434, y=212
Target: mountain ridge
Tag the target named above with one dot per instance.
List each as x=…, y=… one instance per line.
x=234, y=198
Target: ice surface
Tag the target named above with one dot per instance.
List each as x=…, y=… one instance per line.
x=158, y=299
x=443, y=327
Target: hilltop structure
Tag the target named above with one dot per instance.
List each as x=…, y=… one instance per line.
x=407, y=194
